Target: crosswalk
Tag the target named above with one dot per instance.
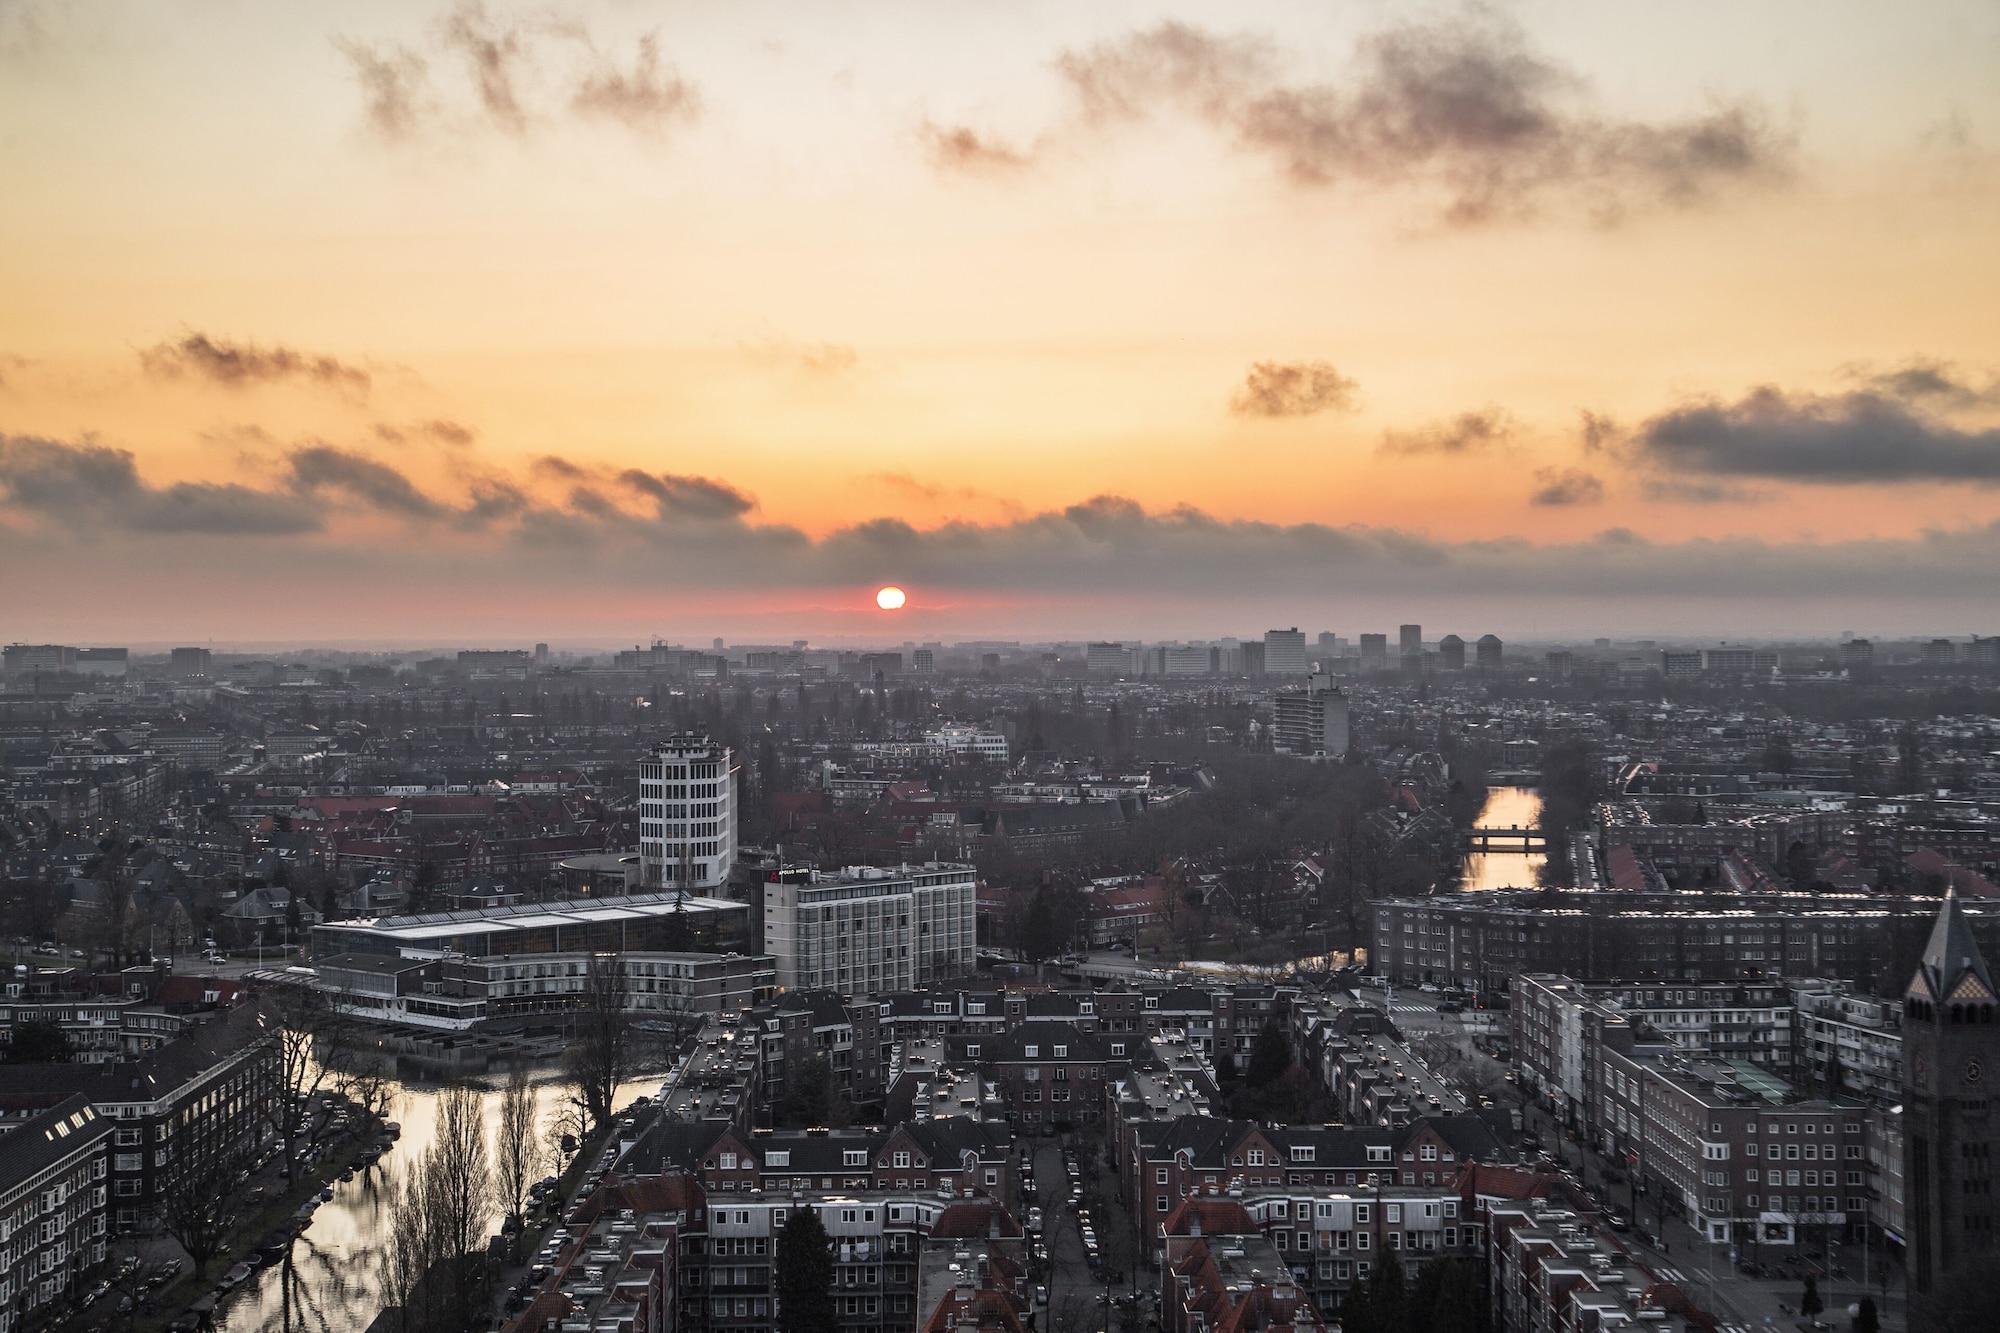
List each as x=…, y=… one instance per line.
x=1666, y=1274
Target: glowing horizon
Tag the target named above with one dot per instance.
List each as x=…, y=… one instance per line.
x=336, y=323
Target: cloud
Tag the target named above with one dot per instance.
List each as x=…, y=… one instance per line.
x=77, y=515
x=493, y=57
x=962, y=148
x=441, y=430
x=1292, y=389
x=1468, y=432
x=645, y=98
x=519, y=78
x=93, y=488
x=395, y=87
x=1852, y=438
x=1464, y=107
x=1929, y=383
x=1599, y=434
x=695, y=498
x=9, y=364
x=322, y=468
x=238, y=365
x=1566, y=486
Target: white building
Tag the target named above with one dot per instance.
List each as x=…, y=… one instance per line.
x=687, y=814
x=958, y=738
x=1285, y=652
x=1107, y=659
x=1190, y=659
x=1312, y=721
x=869, y=930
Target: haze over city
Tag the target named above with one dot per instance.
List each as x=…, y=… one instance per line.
x=475, y=321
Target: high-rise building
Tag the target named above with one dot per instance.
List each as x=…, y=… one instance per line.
x=1191, y=659
x=1411, y=640
x=1940, y=653
x=1285, y=652
x=1951, y=1119
x=1312, y=721
x=186, y=662
x=1857, y=655
x=29, y=657
x=1488, y=653
x=541, y=654
x=1451, y=653
x=869, y=930
x=103, y=661
x=687, y=815
x=1559, y=663
x=1250, y=658
x=923, y=661
x=1374, y=652
x=1328, y=646
x=1107, y=659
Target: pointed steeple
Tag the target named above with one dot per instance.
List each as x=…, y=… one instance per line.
x=1951, y=957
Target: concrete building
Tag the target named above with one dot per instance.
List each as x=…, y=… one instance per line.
x=1451, y=653
x=1285, y=652
x=1374, y=652
x=867, y=929
x=687, y=815
x=53, y=1209
x=189, y=662
x=1312, y=721
x=634, y=922
x=26, y=658
x=1107, y=659
x=1188, y=659
x=960, y=739
x=1410, y=641
x=113, y=662
x=1489, y=653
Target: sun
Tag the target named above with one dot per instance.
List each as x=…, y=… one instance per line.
x=890, y=598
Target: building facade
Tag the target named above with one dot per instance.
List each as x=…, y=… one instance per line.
x=687, y=814
x=868, y=930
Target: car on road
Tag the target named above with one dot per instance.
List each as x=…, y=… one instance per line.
x=1034, y=1219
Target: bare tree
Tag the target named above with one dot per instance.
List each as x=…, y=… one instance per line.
x=599, y=1055
x=198, y=1198
x=408, y=1252
x=518, y=1151
x=457, y=1182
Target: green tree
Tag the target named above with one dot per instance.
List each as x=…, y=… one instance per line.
x=39, y=1043
x=1381, y=1303
x=812, y=1099
x=805, y=1275
x=1270, y=1058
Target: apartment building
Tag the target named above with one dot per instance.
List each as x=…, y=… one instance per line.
x=868, y=930
x=687, y=815
x=1550, y=1267
x=1222, y=1272
x=53, y=1208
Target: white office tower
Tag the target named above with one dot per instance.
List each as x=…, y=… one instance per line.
x=1285, y=652
x=1312, y=722
x=868, y=930
x=687, y=815
x=1107, y=659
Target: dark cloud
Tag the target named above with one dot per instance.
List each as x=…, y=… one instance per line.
x=322, y=468
x=83, y=505
x=1468, y=432
x=1599, y=434
x=1292, y=389
x=395, y=84
x=559, y=468
x=1463, y=106
x=237, y=365
x=1852, y=438
x=647, y=97
x=88, y=487
x=696, y=498
x=1929, y=383
x=962, y=148
x=1566, y=486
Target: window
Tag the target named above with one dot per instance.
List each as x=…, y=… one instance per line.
x=780, y=1157
x=1062, y=1052
x=729, y=1161
x=972, y=1051
x=1031, y=1052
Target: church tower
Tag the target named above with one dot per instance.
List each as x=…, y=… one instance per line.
x=1951, y=1063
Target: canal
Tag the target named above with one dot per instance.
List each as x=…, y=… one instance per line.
x=1506, y=807
x=333, y=1281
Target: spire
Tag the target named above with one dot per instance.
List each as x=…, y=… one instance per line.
x=1951, y=955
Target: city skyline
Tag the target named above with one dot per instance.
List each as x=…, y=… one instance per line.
x=461, y=323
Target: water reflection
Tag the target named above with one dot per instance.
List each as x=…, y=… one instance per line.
x=331, y=1280
x=1506, y=807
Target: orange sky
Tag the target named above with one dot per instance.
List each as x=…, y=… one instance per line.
x=750, y=244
